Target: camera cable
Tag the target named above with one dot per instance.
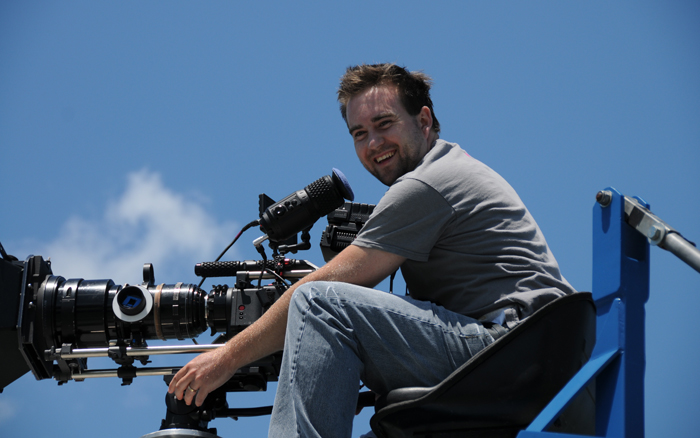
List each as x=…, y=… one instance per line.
x=243, y=230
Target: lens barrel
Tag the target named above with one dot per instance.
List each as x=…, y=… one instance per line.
x=91, y=313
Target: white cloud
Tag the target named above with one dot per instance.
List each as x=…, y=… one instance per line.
x=7, y=410
x=148, y=223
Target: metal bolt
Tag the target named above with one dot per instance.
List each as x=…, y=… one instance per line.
x=604, y=197
x=656, y=234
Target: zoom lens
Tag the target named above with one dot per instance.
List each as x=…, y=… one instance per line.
x=91, y=313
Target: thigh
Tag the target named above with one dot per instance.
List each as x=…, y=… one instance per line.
x=400, y=341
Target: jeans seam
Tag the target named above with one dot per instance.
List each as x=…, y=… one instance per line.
x=293, y=360
x=297, y=347
x=479, y=334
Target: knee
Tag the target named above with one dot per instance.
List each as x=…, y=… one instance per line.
x=303, y=298
x=304, y=291
x=309, y=302
x=308, y=293
x=303, y=294
x=319, y=294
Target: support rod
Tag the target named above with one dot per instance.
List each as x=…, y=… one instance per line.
x=657, y=232
x=139, y=372
x=135, y=351
x=681, y=248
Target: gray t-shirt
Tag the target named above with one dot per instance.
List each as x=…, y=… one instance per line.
x=470, y=243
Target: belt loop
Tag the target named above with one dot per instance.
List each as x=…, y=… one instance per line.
x=512, y=318
x=495, y=330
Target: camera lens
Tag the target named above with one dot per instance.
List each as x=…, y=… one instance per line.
x=93, y=313
x=131, y=301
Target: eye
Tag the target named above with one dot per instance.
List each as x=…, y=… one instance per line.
x=358, y=134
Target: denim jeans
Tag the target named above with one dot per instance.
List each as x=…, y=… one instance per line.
x=339, y=334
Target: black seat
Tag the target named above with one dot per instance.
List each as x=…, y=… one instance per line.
x=502, y=389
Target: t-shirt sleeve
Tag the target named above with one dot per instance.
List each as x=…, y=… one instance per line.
x=408, y=221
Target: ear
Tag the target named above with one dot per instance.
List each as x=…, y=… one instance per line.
x=425, y=121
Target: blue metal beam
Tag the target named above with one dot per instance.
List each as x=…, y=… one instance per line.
x=620, y=289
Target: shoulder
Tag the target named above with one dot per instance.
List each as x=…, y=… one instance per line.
x=410, y=195
x=442, y=154
x=464, y=182
x=447, y=170
x=443, y=162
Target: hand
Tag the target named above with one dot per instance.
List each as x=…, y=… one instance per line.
x=202, y=375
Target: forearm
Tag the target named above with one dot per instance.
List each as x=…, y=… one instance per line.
x=262, y=338
x=210, y=370
x=266, y=336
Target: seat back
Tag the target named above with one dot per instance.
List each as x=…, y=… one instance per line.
x=503, y=388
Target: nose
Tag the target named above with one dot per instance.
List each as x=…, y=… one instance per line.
x=375, y=140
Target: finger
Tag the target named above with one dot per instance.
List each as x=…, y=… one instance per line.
x=182, y=385
x=201, y=396
x=190, y=394
x=173, y=387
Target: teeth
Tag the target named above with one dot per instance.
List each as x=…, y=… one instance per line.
x=384, y=157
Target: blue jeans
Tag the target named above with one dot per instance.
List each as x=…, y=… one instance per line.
x=339, y=334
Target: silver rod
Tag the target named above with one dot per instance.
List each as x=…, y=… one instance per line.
x=681, y=248
x=137, y=351
x=660, y=233
x=140, y=372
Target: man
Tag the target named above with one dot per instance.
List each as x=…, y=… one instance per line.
x=467, y=247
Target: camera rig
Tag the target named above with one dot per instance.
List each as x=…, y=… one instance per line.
x=51, y=326
x=61, y=323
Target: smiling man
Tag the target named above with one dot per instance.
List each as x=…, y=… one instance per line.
x=470, y=252
x=388, y=140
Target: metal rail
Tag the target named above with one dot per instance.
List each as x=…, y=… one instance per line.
x=657, y=232
x=78, y=353
x=137, y=372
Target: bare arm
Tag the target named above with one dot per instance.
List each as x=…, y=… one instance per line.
x=208, y=371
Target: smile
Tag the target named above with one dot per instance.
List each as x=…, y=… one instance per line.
x=384, y=157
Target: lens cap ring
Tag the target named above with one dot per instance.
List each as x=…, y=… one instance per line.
x=132, y=303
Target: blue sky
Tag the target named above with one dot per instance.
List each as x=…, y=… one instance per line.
x=137, y=132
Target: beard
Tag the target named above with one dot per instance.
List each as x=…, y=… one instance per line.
x=408, y=154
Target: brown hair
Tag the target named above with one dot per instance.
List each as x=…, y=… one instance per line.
x=414, y=87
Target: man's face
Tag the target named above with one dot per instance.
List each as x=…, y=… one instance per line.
x=388, y=141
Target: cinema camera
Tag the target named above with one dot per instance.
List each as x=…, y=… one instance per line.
x=52, y=326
